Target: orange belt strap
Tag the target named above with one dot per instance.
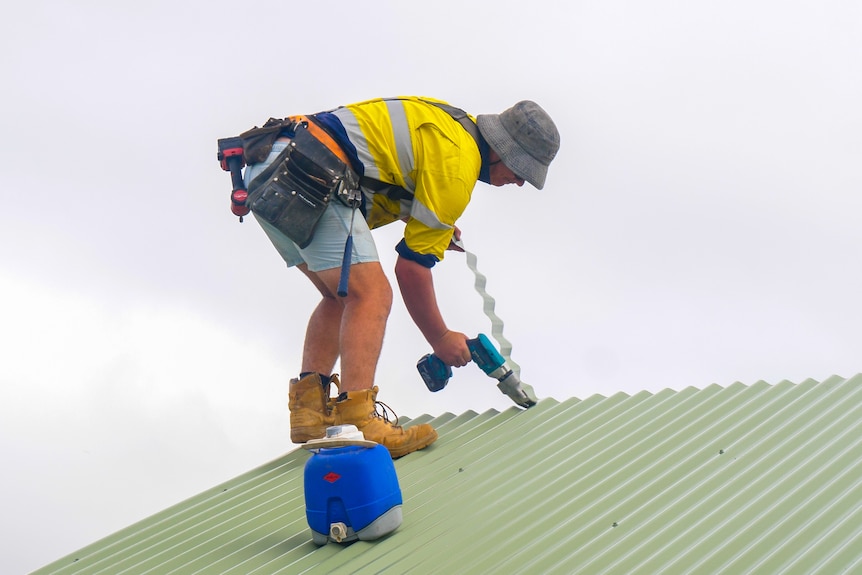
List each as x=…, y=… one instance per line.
x=322, y=136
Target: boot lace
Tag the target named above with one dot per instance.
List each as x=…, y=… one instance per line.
x=382, y=410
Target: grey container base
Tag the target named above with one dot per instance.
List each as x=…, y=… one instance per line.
x=341, y=533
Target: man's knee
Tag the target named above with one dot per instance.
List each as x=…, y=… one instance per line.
x=369, y=282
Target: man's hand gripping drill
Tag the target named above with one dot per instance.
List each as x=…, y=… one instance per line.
x=436, y=374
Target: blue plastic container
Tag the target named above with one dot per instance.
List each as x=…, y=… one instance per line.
x=351, y=493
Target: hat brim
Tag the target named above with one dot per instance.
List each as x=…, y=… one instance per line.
x=516, y=158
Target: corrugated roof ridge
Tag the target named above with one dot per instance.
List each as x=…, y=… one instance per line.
x=455, y=444
x=261, y=502
x=462, y=429
x=723, y=426
x=714, y=481
x=427, y=493
x=623, y=491
x=544, y=547
x=261, y=478
x=232, y=528
x=567, y=445
x=796, y=471
x=174, y=517
x=695, y=479
x=495, y=484
x=204, y=537
x=842, y=557
x=776, y=446
x=450, y=427
x=408, y=549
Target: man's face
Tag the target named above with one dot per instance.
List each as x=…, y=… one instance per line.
x=499, y=173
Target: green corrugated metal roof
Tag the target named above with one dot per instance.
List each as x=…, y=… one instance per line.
x=743, y=479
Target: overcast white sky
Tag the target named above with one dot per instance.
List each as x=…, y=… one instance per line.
x=700, y=224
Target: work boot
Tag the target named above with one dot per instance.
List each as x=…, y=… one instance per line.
x=309, y=413
x=359, y=408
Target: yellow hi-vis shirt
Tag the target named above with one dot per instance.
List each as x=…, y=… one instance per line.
x=417, y=146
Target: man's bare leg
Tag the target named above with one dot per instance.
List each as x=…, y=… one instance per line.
x=321, y=347
x=363, y=322
x=353, y=325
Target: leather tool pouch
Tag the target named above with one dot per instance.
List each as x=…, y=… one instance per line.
x=295, y=190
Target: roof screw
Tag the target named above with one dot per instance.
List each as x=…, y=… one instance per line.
x=721, y=452
x=615, y=524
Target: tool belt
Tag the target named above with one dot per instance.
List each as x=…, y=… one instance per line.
x=318, y=174
x=293, y=192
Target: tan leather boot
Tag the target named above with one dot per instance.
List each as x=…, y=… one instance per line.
x=309, y=414
x=359, y=408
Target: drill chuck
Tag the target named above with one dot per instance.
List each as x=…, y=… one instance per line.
x=500, y=373
x=511, y=386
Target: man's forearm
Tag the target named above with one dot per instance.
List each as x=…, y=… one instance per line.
x=417, y=290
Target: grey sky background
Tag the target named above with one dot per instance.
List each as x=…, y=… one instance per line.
x=699, y=226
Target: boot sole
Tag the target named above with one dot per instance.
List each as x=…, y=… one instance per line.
x=304, y=434
x=406, y=450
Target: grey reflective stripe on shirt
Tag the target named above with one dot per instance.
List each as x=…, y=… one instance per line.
x=355, y=135
x=404, y=149
x=403, y=141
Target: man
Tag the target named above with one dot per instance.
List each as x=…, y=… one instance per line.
x=419, y=160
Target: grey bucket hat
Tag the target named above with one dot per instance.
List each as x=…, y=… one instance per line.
x=525, y=138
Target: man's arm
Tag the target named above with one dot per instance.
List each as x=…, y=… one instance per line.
x=417, y=290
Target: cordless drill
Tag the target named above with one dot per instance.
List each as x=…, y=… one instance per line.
x=436, y=374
